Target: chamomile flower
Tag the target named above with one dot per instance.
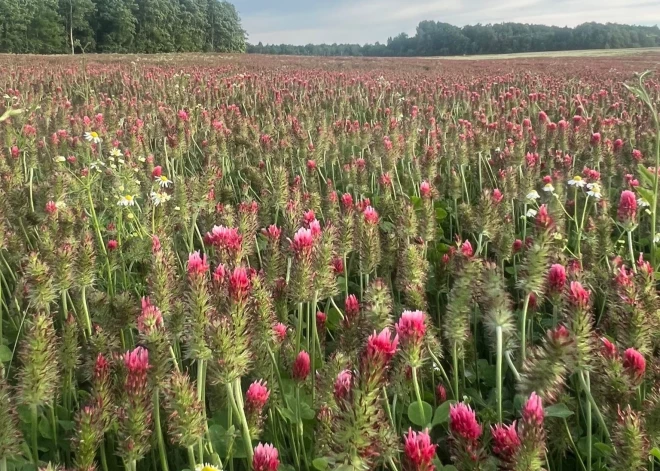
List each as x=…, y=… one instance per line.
x=531, y=213
x=548, y=187
x=533, y=195
x=163, y=181
x=159, y=197
x=594, y=190
x=93, y=137
x=126, y=200
x=60, y=159
x=206, y=467
x=577, y=181
x=116, y=152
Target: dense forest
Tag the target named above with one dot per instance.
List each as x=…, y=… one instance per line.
x=123, y=26
x=442, y=39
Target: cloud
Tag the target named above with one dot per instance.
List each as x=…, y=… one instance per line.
x=360, y=21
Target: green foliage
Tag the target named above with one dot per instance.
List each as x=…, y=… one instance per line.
x=119, y=26
x=442, y=39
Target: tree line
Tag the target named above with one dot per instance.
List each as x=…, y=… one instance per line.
x=120, y=26
x=442, y=39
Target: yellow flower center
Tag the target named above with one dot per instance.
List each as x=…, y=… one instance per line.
x=577, y=178
x=94, y=134
x=129, y=197
x=163, y=178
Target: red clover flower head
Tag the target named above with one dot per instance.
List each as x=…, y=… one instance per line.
x=419, y=450
x=265, y=458
x=301, y=366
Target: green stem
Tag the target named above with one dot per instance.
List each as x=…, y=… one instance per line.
x=191, y=458
x=594, y=405
x=417, y=393
x=232, y=390
x=631, y=252
x=455, y=360
x=104, y=459
x=53, y=423
x=498, y=372
x=589, y=425
x=312, y=316
x=159, y=432
x=523, y=330
x=575, y=448
x=443, y=372
x=201, y=399
x=34, y=417
x=88, y=321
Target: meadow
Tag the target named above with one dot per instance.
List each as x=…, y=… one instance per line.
x=239, y=262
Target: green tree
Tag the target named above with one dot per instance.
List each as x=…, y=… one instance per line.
x=44, y=33
x=77, y=15
x=154, y=25
x=224, y=33
x=114, y=25
x=191, y=25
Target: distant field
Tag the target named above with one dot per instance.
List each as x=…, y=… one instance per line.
x=580, y=53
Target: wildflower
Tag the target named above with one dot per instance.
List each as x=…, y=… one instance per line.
x=265, y=458
x=51, y=207
x=608, y=349
x=425, y=189
x=158, y=198
x=207, y=467
x=578, y=296
x=116, y=153
x=112, y=245
x=497, y=196
x=302, y=241
x=594, y=190
x=543, y=219
x=343, y=384
x=59, y=159
x=506, y=442
x=197, y=265
x=549, y=188
x=157, y=171
x=93, y=137
x=532, y=411
x=466, y=249
x=137, y=366
x=257, y=396
x=239, y=284
x=351, y=306
x=531, y=213
x=440, y=393
x=370, y=215
x=126, y=200
x=301, y=366
x=577, y=181
x=463, y=422
x=634, y=363
x=382, y=345
x=411, y=327
x=280, y=331
x=556, y=278
x=163, y=181
x=627, y=210
x=419, y=450
x=533, y=195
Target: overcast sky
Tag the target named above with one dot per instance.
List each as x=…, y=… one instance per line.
x=360, y=21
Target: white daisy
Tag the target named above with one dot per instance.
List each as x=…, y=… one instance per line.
x=159, y=198
x=116, y=152
x=126, y=200
x=594, y=190
x=163, y=181
x=531, y=213
x=577, y=181
x=533, y=195
x=93, y=136
x=549, y=187
x=206, y=467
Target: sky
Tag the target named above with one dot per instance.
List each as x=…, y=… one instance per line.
x=368, y=21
